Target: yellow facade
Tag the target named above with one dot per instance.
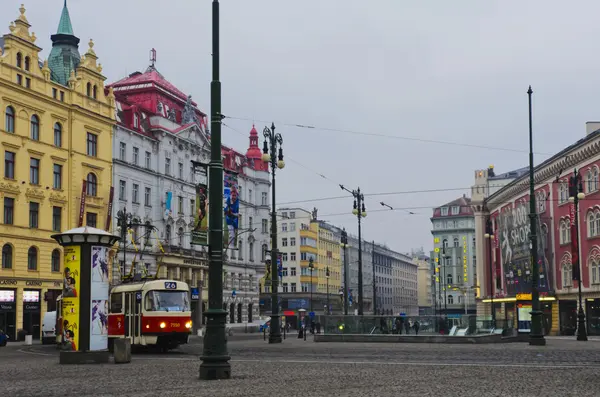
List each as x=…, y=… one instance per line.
x=329, y=256
x=48, y=136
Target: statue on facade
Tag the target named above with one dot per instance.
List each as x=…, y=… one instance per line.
x=314, y=213
x=189, y=113
x=171, y=115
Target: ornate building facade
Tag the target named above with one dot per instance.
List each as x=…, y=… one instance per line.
x=57, y=171
x=160, y=135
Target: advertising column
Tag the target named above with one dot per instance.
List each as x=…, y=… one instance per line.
x=70, y=297
x=99, y=298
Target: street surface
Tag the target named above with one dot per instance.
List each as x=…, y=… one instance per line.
x=564, y=367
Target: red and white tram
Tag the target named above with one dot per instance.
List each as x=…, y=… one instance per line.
x=152, y=312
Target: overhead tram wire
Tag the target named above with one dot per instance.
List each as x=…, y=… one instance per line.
x=374, y=134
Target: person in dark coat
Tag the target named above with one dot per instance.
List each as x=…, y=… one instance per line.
x=417, y=325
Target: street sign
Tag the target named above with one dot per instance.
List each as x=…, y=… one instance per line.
x=233, y=293
x=195, y=294
x=311, y=314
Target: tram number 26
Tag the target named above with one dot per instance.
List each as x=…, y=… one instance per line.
x=170, y=285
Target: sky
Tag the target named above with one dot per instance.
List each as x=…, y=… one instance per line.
x=395, y=90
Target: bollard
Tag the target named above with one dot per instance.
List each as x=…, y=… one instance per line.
x=283, y=333
x=305, y=334
x=28, y=340
x=122, y=351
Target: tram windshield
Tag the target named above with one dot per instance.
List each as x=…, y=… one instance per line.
x=167, y=301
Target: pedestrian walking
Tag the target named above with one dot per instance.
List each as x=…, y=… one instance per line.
x=407, y=326
x=417, y=326
x=318, y=327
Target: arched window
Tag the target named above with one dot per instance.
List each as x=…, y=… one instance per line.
x=7, y=256
x=95, y=92
x=91, y=188
x=263, y=253
x=57, y=135
x=232, y=312
x=445, y=243
x=563, y=194
x=239, y=313
x=450, y=299
x=27, y=63
x=449, y=279
x=565, y=231
x=597, y=221
x=168, y=235
x=589, y=183
x=35, y=128
x=595, y=178
x=456, y=242
x=32, y=258
x=9, y=123
x=89, y=89
x=251, y=251
x=55, y=264
x=567, y=274
x=180, y=236
x=591, y=224
x=595, y=268
x=19, y=60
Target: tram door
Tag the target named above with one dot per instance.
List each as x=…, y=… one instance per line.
x=133, y=301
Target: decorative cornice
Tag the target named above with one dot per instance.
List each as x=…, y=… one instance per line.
x=35, y=193
x=11, y=145
x=56, y=158
x=93, y=166
x=57, y=197
x=548, y=171
x=36, y=152
x=9, y=187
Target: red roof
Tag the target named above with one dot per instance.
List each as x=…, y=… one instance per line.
x=151, y=75
x=464, y=204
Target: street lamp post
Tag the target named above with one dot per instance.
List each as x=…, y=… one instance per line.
x=311, y=266
x=360, y=212
x=215, y=358
x=576, y=194
x=536, y=336
x=327, y=278
x=489, y=234
x=344, y=244
x=273, y=142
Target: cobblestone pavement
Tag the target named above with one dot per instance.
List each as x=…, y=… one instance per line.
x=294, y=368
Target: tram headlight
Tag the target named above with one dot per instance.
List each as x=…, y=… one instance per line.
x=163, y=325
x=188, y=325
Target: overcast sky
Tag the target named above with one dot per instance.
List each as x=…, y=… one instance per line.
x=453, y=71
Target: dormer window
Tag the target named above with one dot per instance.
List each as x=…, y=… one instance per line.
x=89, y=89
x=27, y=63
x=444, y=211
x=455, y=210
x=136, y=120
x=19, y=60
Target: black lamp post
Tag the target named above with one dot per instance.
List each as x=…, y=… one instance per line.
x=489, y=234
x=576, y=194
x=327, y=278
x=360, y=212
x=311, y=266
x=215, y=358
x=536, y=336
x=273, y=154
x=344, y=244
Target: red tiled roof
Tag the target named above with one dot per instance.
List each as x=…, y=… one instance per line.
x=464, y=203
x=151, y=75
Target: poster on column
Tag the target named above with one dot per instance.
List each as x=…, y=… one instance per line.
x=70, y=297
x=200, y=231
x=232, y=210
x=99, y=298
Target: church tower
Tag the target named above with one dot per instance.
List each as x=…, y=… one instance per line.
x=64, y=57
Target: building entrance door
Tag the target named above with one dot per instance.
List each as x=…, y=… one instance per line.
x=8, y=323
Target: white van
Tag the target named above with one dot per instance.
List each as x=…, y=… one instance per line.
x=49, y=328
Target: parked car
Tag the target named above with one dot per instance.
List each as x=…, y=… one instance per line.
x=49, y=328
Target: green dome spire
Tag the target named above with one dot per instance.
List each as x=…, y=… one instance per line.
x=64, y=56
x=65, y=26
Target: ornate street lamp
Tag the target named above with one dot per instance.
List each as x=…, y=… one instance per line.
x=327, y=278
x=311, y=266
x=344, y=244
x=576, y=194
x=273, y=154
x=489, y=234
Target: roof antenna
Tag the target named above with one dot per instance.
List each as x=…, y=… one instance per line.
x=152, y=57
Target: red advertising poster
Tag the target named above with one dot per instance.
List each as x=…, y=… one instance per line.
x=574, y=244
x=82, y=205
x=110, y=205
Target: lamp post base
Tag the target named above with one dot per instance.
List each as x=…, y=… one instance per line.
x=581, y=329
x=275, y=334
x=215, y=359
x=536, y=336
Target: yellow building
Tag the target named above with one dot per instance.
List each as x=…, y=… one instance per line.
x=328, y=258
x=55, y=133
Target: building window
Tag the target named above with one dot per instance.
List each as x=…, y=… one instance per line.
x=263, y=252
x=284, y=227
x=292, y=257
x=147, y=193
x=88, y=89
x=57, y=180
x=450, y=299
x=9, y=165
x=455, y=210
x=91, y=219
x=250, y=196
x=292, y=226
x=444, y=211
x=57, y=135
x=136, y=120
x=62, y=96
x=34, y=213
x=148, y=160
x=284, y=242
x=135, y=193
x=167, y=166
x=592, y=180
x=27, y=63
x=7, y=256
x=55, y=264
x=122, y=190
x=240, y=250
x=34, y=171
x=91, y=185
x=54, y=93
x=180, y=205
x=292, y=241
x=180, y=170
x=180, y=236
x=250, y=222
x=563, y=194
x=32, y=258
x=9, y=122
x=122, y=151
x=567, y=274
x=265, y=226
x=168, y=234
x=35, y=128
x=56, y=219
x=9, y=210
x=449, y=279
x=541, y=201
x=92, y=144
x=445, y=244
x=27, y=82
x=95, y=92
x=456, y=242
x=565, y=231
x=251, y=251
x=192, y=207
x=136, y=155
x=293, y=287
x=285, y=287
x=19, y=79
x=264, y=198
x=19, y=60
x=292, y=269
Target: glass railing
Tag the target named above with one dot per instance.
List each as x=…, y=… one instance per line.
x=410, y=325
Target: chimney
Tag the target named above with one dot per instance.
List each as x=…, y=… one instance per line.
x=591, y=126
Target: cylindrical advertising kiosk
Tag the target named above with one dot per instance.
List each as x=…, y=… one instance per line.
x=84, y=314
